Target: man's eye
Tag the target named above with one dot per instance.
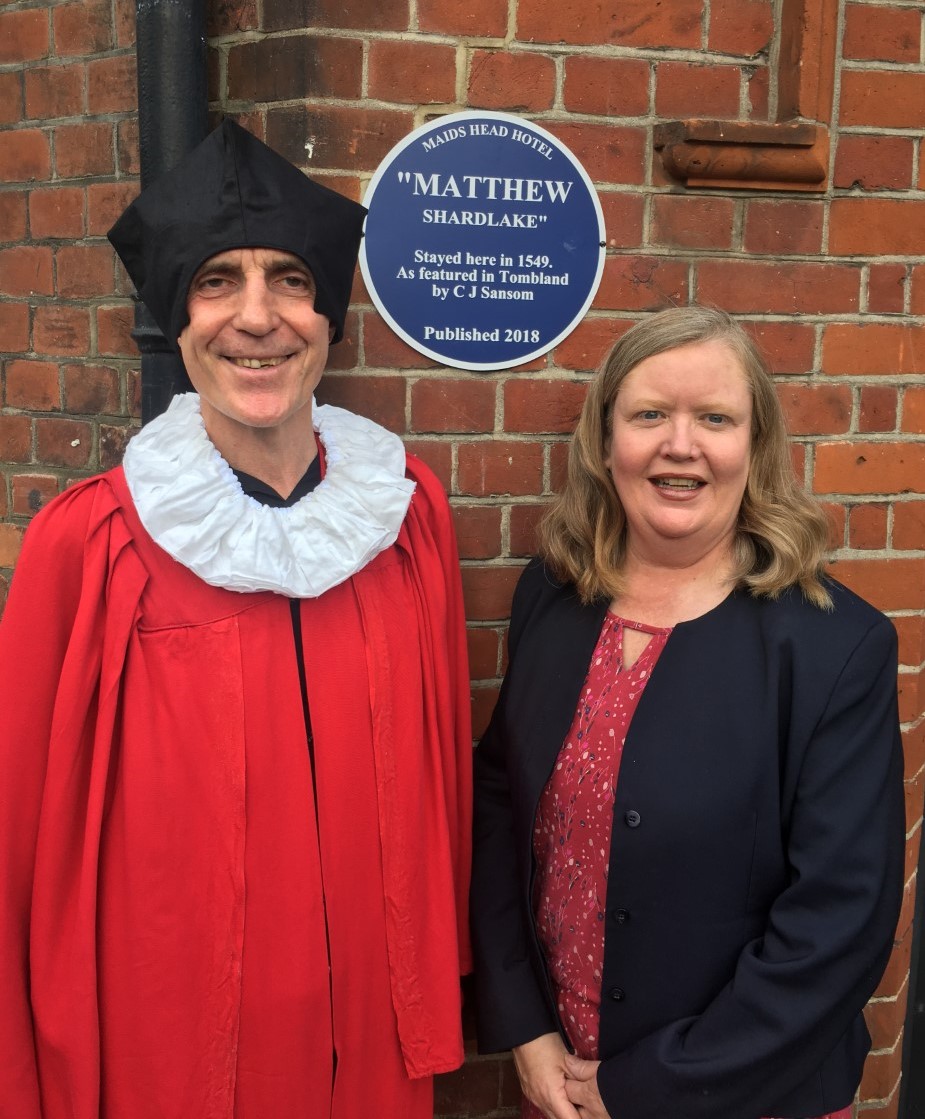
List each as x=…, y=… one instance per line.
x=295, y=281
x=211, y=284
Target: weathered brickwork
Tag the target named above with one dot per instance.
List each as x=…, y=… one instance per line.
x=831, y=282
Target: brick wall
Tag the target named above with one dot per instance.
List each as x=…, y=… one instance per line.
x=831, y=281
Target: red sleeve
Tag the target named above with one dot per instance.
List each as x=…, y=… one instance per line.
x=51, y=647
x=432, y=539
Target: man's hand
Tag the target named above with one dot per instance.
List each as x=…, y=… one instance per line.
x=581, y=1087
x=540, y=1066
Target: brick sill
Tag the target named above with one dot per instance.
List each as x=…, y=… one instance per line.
x=736, y=155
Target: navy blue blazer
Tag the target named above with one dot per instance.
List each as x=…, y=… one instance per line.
x=756, y=864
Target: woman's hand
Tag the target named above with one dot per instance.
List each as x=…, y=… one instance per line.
x=581, y=1087
x=540, y=1066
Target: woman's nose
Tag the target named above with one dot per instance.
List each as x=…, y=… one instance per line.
x=680, y=440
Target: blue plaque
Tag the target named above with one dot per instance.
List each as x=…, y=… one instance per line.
x=484, y=243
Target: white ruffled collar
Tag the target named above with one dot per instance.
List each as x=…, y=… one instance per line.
x=192, y=505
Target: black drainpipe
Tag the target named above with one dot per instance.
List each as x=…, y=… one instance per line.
x=172, y=120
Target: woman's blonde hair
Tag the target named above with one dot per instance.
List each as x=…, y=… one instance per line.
x=782, y=533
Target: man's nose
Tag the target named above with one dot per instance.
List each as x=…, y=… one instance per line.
x=255, y=312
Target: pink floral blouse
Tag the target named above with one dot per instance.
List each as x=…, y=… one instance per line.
x=571, y=837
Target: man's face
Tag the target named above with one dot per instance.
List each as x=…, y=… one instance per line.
x=254, y=347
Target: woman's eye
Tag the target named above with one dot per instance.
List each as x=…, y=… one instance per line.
x=716, y=418
x=649, y=414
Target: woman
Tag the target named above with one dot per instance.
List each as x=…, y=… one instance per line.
x=689, y=818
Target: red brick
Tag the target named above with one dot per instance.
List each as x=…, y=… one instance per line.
x=368, y=15
x=384, y=348
x=499, y=467
x=346, y=354
x=623, y=216
x=911, y=629
x=83, y=28
x=31, y=492
x=487, y=592
x=113, y=441
x=54, y=91
x=882, y=99
x=61, y=330
x=447, y=406
x=84, y=270
x=484, y=648
x=23, y=35
x=11, y=98
x=692, y=222
x=436, y=454
x=812, y=288
x=10, y=544
x=296, y=66
x=885, y=1018
x=741, y=27
x=16, y=438
x=888, y=349
x=12, y=215
x=909, y=535
x=63, y=442
x=914, y=410
x=26, y=270
x=689, y=89
x=609, y=154
x=353, y=139
x=631, y=23
x=816, y=409
x=884, y=34
x=412, y=71
x=478, y=531
x=536, y=406
x=124, y=24
x=380, y=398
x=482, y=18
x=867, y=526
x=610, y=87
x=84, y=149
x=881, y=1074
x=877, y=226
x=24, y=156
x=114, y=330
x=917, y=297
x=642, y=283
x=587, y=345
x=874, y=162
x=105, y=203
x=56, y=212
x=782, y=228
x=787, y=346
x=91, y=390
x=111, y=84
x=894, y=584
x=837, y=516
x=868, y=468
x=558, y=465
x=229, y=16
x=14, y=327
x=32, y=385
x=515, y=82
x=758, y=93
x=523, y=523
x=878, y=408
x=127, y=147
x=886, y=288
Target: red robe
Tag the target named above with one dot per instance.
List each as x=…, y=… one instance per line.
x=165, y=939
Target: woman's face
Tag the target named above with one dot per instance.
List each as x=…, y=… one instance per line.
x=680, y=451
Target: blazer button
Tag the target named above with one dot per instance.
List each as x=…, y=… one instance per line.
x=632, y=818
x=617, y=994
x=622, y=916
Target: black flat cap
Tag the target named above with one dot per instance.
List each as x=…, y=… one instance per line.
x=234, y=192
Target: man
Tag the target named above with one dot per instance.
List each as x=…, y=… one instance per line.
x=234, y=758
